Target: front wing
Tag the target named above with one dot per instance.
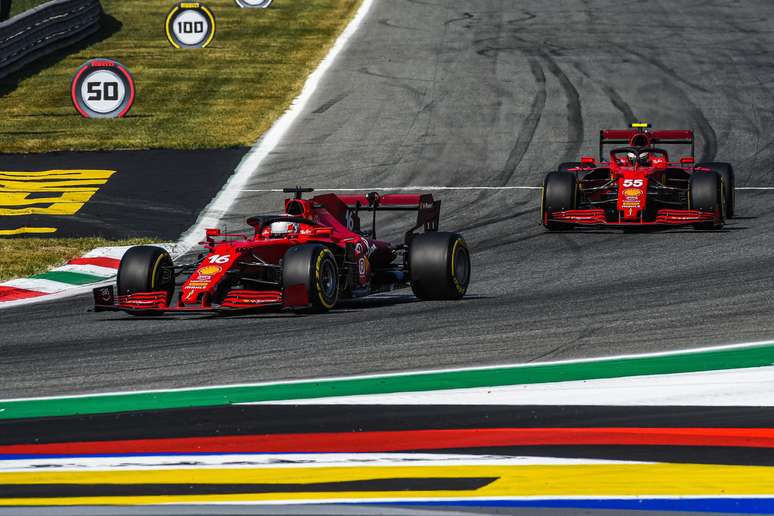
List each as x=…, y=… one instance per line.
x=291, y=298
x=665, y=217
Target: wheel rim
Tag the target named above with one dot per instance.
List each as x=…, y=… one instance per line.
x=328, y=280
x=462, y=266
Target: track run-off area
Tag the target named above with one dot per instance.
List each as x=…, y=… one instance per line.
x=489, y=94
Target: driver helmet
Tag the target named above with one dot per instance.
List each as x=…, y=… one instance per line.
x=644, y=159
x=281, y=228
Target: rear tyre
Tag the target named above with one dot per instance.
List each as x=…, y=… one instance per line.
x=559, y=194
x=726, y=172
x=314, y=267
x=706, y=193
x=439, y=265
x=146, y=268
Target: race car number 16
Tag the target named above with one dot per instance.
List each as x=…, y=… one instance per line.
x=102, y=88
x=190, y=25
x=219, y=258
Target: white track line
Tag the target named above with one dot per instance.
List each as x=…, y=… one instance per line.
x=280, y=461
x=440, y=188
x=405, y=373
x=248, y=167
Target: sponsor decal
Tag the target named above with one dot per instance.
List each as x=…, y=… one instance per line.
x=209, y=270
x=633, y=192
x=631, y=205
x=106, y=294
x=198, y=285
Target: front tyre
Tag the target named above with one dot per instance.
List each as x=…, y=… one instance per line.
x=559, y=194
x=146, y=268
x=726, y=173
x=439, y=265
x=314, y=267
x=707, y=193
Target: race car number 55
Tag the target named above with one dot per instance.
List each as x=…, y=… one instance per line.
x=632, y=182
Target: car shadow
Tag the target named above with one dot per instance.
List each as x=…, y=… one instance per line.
x=343, y=307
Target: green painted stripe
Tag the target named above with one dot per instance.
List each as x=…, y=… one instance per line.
x=72, y=278
x=734, y=358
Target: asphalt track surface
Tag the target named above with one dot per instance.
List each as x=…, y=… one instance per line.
x=482, y=93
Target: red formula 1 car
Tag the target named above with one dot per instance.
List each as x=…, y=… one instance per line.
x=307, y=258
x=639, y=185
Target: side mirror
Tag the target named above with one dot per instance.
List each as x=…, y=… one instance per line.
x=688, y=160
x=587, y=160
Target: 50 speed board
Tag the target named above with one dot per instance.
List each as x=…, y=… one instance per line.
x=190, y=25
x=102, y=88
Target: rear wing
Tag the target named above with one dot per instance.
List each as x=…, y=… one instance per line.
x=428, y=209
x=645, y=138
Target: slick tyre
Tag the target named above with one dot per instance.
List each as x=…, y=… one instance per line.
x=146, y=268
x=726, y=172
x=706, y=193
x=439, y=266
x=314, y=267
x=559, y=194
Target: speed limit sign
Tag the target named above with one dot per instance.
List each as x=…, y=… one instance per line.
x=102, y=88
x=190, y=25
x=262, y=4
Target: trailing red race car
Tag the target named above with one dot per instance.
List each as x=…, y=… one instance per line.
x=639, y=186
x=307, y=258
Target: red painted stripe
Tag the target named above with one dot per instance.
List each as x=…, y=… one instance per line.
x=413, y=440
x=101, y=262
x=14, y=294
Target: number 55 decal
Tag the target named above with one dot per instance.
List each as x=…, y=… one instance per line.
x=632, y=182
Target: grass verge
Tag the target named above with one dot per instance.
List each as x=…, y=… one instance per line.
x=19, y=6
x=225, y=95
x=22, y=257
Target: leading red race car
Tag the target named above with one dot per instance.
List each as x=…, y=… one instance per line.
x=307, y=258
x=639, y=185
